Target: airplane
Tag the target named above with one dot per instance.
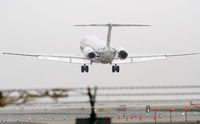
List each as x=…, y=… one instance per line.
x=95, y=50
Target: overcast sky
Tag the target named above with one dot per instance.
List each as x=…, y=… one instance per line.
x=46, y=27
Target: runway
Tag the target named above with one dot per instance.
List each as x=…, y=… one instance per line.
x=121, y=104
x=61, y=114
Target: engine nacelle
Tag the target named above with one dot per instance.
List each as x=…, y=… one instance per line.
x=89, y=53
x=121, y=53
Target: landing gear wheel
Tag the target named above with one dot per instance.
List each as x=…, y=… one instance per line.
x=115, y=68
x=84, y=68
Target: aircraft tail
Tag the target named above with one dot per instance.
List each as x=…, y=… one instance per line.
x=110, y=25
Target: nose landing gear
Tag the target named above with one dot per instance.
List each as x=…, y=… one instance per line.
x=115, y=68
x=85, y=68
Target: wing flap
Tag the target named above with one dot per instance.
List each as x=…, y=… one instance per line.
x=136, y=60
x=66, y=60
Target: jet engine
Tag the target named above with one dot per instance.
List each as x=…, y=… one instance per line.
x=121, y=53
x=89, y=53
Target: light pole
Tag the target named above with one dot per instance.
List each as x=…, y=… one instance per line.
x=186, y=109
x=170, y=110
x=92, y=103
x=155, y=116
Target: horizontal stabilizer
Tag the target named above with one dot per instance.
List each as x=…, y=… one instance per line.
x=113, y=25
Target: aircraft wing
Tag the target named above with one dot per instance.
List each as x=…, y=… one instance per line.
x=60, y=58
x=136, y=59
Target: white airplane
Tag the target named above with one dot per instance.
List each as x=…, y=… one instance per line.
x=96, y=50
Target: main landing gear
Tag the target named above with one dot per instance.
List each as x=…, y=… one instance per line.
x=85, y=68
x=115, y=68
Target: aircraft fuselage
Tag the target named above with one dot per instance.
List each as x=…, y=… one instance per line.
x=103, y=53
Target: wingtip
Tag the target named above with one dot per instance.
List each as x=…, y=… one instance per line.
x=197, y=53
x=5, y=53
x=78, y=25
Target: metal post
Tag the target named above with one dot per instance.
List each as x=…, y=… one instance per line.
x=186, y=109
x=155, y=109
x=171, y=109
x=170, y=116
x=185, y=116
x=155, y=117
x=92, y=103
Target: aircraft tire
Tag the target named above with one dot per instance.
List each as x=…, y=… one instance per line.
x=86, y=68
x=82, y=69
x=113, y=69
x=117, y=68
